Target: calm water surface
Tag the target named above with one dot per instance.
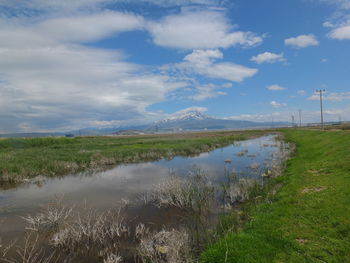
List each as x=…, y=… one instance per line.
x=105, y=189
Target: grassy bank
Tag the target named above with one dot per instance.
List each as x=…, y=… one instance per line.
x=308, y=220
x=26, y=158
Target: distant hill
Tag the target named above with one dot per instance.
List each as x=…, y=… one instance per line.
x=189, y=121
x=195, y=120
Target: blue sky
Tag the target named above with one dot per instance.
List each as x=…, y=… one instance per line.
x=102, y=63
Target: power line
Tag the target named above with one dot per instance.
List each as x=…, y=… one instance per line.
x=321, y=104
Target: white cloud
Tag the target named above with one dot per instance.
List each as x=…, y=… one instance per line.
x=340, y=20
x=342, y=32
x=276, y=87
x=228, y=71
x=199, y=30
x=328, y=24
x=207, y=91
x=276, y=104
x=268, y=57
x=49, y=81
x=91, y=27
x=204, y=58
x=203, y=62
x=333, y=96
x=301, y=92
x=302, y=41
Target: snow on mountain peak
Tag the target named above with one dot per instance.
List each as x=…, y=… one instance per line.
x=190, y=115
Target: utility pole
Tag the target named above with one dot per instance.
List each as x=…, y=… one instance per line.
x=299, y=118
x=321, y=104
x=293, y=125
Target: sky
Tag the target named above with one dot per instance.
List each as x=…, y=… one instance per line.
x=68, y=65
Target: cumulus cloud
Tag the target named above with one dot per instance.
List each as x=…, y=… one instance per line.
x=268, y=57
x=203, y=62
x=302, y=41
x=342, y=32
x=92, y=27
x=276, y=87
x=201, y=67
x=276, y=104
x=50, y=81
x=199, y=30
x=204, y=58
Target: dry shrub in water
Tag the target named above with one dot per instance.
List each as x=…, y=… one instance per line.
x=279, y=159
x=241, y=190
x=80, y=233
x=165, y=246
x=171, y=192
x=31, y=252
x=113, y=258
x=51, y=218
x=193, y=194
x=90, y=231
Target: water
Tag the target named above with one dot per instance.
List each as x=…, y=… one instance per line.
x=105, y=189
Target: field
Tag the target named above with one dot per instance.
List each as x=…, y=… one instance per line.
x=21, y=159
x=301, y=216
x=308, y=219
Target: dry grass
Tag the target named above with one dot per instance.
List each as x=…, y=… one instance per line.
x=241, y=190
x=171, y=246
x=313, y=189
x=192, y=194
x=51, y=218
x=77, y=233
x=113, y=258
x=91, y=230
x=32, y=252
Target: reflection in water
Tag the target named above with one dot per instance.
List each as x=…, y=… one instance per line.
x=105, y=189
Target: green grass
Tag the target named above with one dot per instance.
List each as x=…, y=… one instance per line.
x=308, y=219
x=26, y=158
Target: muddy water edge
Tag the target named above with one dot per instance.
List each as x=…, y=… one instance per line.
x=164, y=211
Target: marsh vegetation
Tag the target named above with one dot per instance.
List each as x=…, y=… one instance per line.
x=195, y=204
x=23, y=159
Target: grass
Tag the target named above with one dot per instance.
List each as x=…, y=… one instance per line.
x=308, y=219
x=27, y=158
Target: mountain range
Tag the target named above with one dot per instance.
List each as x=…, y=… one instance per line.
x=188, y=121
x=195, y=120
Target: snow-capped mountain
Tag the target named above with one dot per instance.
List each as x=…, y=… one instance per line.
x=192, y=120
x=196, y=120
x=190, y=115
